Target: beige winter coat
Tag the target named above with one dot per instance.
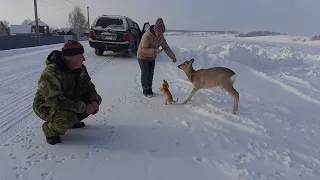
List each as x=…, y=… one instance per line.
x=148, y=45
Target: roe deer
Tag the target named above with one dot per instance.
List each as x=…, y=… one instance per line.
x=210, y=78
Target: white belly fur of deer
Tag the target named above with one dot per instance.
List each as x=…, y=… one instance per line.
x=210, y=78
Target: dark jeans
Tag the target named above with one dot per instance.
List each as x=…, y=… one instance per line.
x=147, y=71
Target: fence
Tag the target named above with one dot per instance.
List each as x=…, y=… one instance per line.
x=23, y=41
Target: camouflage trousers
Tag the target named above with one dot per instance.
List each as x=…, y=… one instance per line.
x=61, y=121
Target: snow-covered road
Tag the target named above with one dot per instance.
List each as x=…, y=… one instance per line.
x=275, y=135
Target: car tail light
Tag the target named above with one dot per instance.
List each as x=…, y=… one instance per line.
x=127, y=37
x=92, y=35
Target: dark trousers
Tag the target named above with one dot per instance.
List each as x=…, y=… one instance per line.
x=147, y=71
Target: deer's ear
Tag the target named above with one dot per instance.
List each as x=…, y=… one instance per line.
x=192, y=60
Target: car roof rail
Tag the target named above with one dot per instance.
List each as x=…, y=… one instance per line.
x=114, y=15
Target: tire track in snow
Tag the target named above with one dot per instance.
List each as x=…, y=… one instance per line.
x=19, y=91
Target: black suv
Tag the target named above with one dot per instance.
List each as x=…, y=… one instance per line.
x=115, y=33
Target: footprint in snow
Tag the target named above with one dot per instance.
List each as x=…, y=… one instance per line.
x=185, y=123
x=18, y=175
x=62, y=161
x=198, y=159
x=73, y=156
x=44, y=175
x=88, y=155
x=157, y=121
x=46, y=156
x=149, y=151
x=15, y=168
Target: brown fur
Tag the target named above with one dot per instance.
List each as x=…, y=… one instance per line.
x=167, y=95
x=165, y=84
x=210, y=78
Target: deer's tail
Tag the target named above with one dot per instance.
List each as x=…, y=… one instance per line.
x=233, y=78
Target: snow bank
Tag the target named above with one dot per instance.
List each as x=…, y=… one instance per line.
x=260, y=58
x=253, y=56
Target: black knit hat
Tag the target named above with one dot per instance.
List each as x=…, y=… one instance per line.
x=72, y=48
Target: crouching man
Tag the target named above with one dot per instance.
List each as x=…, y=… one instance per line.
x=65, y=94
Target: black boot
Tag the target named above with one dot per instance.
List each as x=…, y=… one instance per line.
x=79, y=125
x=150, y=93
x=145, y=92
x=53, y=140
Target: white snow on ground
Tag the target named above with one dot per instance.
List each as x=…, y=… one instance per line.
x=275, y=134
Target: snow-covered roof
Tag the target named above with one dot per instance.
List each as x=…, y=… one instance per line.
x=40, y=23
x=64, y=29
x=20, y=29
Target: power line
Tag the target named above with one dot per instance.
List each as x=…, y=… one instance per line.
x=81, y=6
x=75, y=3
x=54, y=5
x=65, y=10
x=87, y=8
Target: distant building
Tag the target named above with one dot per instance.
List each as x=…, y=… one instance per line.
x=20, y=29
x=43, y=27
x=30, y=28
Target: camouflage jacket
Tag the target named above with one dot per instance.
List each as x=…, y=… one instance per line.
x=63, y=89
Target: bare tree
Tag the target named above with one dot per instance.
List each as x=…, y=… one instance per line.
x=26, y=21
x=5, y=23
x=77, y=21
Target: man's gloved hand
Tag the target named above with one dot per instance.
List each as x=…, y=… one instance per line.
x=158, y=51
x=90, y=109
x=96, y=107
x=174, y=60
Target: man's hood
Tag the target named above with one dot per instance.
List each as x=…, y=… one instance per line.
x=55, y=57
x=151, y=32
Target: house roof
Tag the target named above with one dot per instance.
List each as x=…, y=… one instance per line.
x=64, y=29
x=20, y=29
x=2, y=26
x=40, y=23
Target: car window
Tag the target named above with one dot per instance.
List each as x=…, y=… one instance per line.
x=135, y=25
x=109, y=23
x=130, y=24
x=146, y=27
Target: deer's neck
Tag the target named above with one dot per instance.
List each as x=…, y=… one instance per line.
x=190, y=74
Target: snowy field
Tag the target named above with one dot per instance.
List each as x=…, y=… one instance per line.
x=275, y=134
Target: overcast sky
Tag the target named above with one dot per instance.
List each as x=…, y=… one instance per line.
x=299, y=17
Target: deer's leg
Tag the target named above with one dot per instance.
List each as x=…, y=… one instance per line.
x=194, y=90
x=235, y=95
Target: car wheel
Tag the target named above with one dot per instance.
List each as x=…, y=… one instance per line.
x=133, y=51
x=99, y=52
x=135, y=47
x=129, y=53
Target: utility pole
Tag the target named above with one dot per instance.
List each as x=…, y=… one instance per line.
x=36, y=18
x=88, y=19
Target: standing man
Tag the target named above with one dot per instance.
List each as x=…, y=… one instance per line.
x=65, y=94
x=148, y=50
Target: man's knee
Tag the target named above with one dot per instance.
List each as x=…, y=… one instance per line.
x=62, y=121
x=82, y=116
